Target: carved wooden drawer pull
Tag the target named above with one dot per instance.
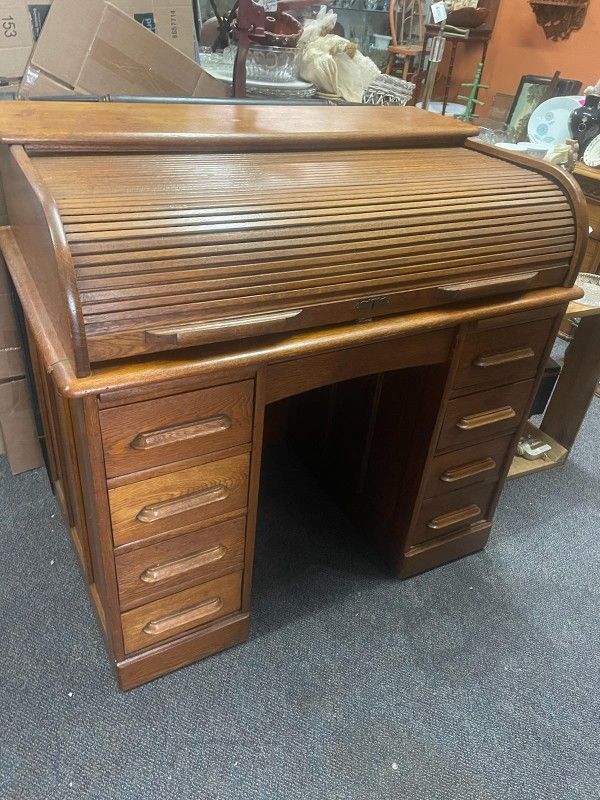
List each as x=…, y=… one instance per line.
x=158, y=627
x=454, y=518
x=180, y=433
x=484, y=418
x=169, y=508
x=170, y=569
x=504, y=283
x=268, y=322
x=468, y=470
x=507, y=357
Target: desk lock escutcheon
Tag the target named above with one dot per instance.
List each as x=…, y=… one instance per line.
x=367, y=307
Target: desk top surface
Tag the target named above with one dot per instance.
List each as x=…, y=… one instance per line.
x=137, y=126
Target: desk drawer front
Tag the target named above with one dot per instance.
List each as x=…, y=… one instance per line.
x=169, y=502
x=454, y=512
x=175, y=564
x=156, y=432
x=482, y=415
x=177, y=613
x=476, y=464
x=502, y=354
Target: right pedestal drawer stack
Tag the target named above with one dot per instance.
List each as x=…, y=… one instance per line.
x=492, y=389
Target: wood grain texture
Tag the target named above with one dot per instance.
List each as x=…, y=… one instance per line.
x=561, y=178
x=45, y=333
x=165, y=618
x=162, y=658
x=451, y=512
x=86, y=429
x=436, y=552
x=222, y=128
x=263, y=242
x=292, y=377
x=37, y=228
x=156, y=432
x=129, y=376
x=170, y=566
x=465, y=467
x=499, y=354
x=482, y=415
x=149, y=507
x=411, y=295
x=576, y=385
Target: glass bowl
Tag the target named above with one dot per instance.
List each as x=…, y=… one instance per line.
x=272, y=64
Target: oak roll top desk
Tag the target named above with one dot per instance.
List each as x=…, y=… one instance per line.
x=184, y=268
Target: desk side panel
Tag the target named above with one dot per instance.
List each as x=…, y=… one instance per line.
x=46, y=258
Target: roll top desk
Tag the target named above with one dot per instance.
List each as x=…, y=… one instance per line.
x=183, y=269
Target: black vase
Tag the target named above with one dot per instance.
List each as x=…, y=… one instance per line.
x=584, y=122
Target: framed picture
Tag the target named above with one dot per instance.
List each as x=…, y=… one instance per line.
x=533, y=90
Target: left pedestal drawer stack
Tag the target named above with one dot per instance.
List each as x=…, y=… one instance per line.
x=177, y=472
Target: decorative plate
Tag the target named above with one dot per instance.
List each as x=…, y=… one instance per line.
x=590, y=283
x=549, y=123
x=591, y=156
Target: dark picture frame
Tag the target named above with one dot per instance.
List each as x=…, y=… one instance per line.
x=533, y=90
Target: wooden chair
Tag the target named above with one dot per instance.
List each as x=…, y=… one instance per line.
x=403, y=45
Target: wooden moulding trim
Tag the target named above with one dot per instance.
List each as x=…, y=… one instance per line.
x=130, y=374
x=40, y=324
x=64, y=260
x=440, y=551
x=564, y=180
x=158, y=127
x=168, y=656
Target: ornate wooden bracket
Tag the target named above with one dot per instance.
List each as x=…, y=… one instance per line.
x=559, y=18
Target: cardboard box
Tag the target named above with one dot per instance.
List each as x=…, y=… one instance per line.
x=4, y=279
x=20, y=26
x=103, y=51
x=9, y=91
x=18, y=436
x=11, y=363
x=172, y=20
x=18, y=427
x=9, y=331
x=3, y=217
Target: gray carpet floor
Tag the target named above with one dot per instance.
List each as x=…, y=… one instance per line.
x=478, y=680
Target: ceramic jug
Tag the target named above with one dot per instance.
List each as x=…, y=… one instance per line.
x=584, y=122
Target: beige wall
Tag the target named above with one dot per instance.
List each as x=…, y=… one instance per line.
x=519, y=47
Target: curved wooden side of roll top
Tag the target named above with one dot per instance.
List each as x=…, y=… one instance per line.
x=159, y=251
x=46, y=275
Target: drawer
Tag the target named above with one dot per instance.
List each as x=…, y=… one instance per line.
x=156, y=432
x=502, y=354
x=183, y=498
x=485, y=414
x=177, y=613
x=476, y=464
x=453, y=512
x=183, y=561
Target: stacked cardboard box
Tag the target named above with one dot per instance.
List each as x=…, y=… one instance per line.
x=21, y=24
x=20, y=27
x=17, y=423
x=171, y=20
x=100, y=50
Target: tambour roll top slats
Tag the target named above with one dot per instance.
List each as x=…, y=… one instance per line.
x=171, y=250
